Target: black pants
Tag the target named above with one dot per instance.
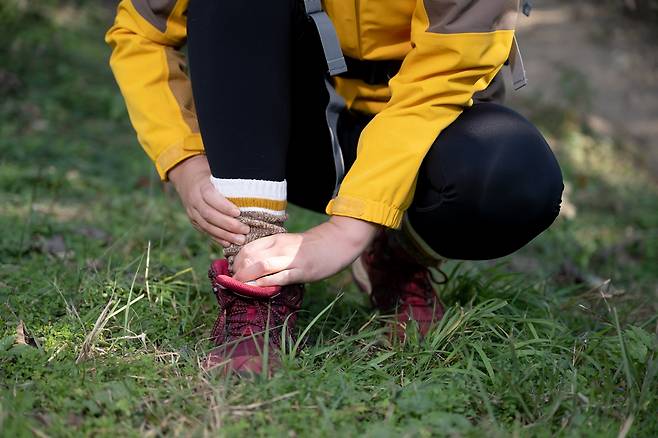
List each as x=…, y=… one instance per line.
x=488, y=185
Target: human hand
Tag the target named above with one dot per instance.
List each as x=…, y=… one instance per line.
x=292, y=258
x=208, y=210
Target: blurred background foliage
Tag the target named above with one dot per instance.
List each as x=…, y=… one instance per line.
x=643, y=9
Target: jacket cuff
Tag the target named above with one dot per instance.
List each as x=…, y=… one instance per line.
x=174, y=154
x=366, y=210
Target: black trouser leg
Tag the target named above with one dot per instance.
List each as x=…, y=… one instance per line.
x=310, y=164
x=489, y=185
x=240, y=65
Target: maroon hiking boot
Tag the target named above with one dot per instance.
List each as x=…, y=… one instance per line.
x=250, y=317
x=397, y=285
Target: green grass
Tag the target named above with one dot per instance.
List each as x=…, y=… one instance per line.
x=533, y=345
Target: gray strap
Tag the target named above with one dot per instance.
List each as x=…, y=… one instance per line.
x=519, y=78
x=334, y=108
x=328, y=37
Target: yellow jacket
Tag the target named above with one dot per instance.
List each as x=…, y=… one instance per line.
x=450, y=49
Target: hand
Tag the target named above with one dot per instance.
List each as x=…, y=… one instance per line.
x=208, y=210
x=320, y=252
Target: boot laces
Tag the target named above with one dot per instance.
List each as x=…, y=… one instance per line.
x=245, y=317
x=419, y=291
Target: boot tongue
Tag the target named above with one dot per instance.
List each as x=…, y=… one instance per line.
x=220, y=275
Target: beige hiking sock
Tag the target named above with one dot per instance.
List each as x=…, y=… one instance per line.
x=262, y=207
x=261, y=225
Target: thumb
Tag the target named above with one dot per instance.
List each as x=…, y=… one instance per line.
x=282, y=278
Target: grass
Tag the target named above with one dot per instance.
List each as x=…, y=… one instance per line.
x=105, y=309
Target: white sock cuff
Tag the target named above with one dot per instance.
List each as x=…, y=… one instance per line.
x=251, y=188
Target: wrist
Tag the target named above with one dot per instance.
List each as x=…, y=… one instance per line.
x=178, y=173
x=356, y=232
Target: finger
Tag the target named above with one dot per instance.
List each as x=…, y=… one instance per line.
x=216, y=232
x=262, y=267
x=259, y=249
x=283, y=278
x=221, y=220
x=215, y=199
x=195, y=225
x=220, y=242
x=263, y=244
x=251, y=254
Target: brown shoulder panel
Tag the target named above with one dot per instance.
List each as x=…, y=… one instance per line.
x=471, y=16
x=156, y=12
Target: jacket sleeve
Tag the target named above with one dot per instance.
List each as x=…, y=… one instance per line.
x=458, y=46
x=150, y=69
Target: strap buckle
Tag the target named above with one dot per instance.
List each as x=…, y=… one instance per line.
x=328, y=37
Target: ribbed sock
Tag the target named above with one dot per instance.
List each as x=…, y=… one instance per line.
x=262, y=207
x=260, y=225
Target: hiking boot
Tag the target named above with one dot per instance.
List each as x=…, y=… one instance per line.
x=398, y=285
x=250, y=318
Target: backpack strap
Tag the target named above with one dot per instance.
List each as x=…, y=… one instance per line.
x=519, y=77
x=515, y=60
x=335, y=106
x=328, y=37
x=335, y=66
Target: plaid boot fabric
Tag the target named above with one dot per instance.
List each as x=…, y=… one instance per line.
x=252, y=320
x=252, y=323
x=395, y=273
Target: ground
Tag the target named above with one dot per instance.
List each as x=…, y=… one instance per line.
x=105, y=309
x=596, y=63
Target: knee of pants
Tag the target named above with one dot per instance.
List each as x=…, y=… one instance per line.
x=488, y=186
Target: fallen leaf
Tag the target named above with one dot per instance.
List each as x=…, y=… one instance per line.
x=94, y=233
x=94, y=264
x=43, y=418
x=74, y=420
x=23, y=337
x=54, y=245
